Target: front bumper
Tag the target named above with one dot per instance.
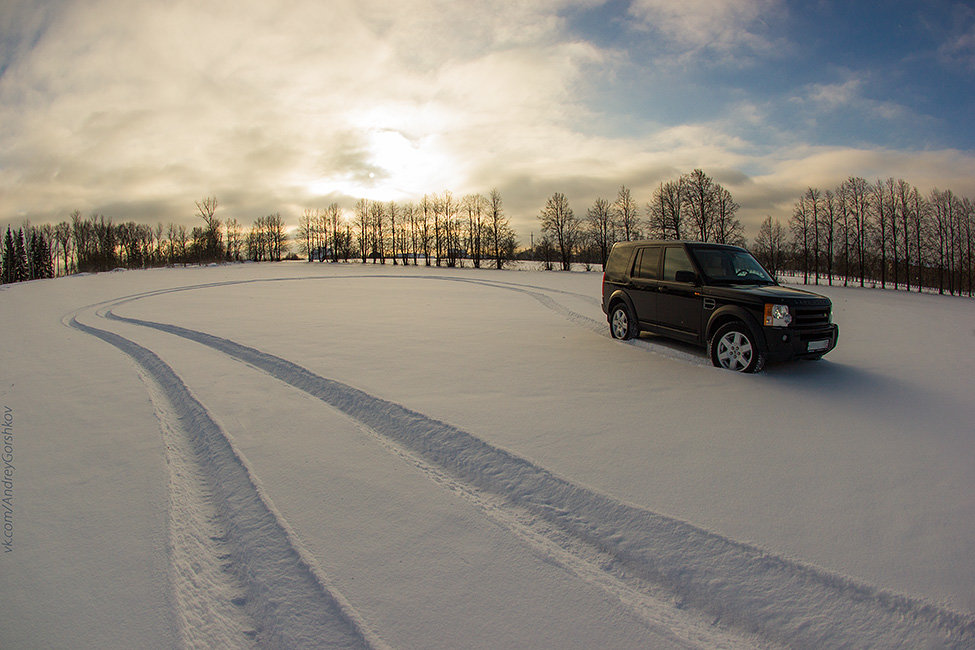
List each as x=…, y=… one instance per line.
x=786, y=343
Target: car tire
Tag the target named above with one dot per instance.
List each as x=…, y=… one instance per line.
x=734, y=347
x=622, y=325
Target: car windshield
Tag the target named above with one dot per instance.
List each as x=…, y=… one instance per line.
x=731, y=266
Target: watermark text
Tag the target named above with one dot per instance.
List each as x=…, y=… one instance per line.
x=7, y=478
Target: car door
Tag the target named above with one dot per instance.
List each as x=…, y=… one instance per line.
x=643, y=284
x=679, y=303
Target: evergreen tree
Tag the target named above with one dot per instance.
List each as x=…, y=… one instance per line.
x=20, y=267
x=9, y=254
x=30, y=238
x=43, y=265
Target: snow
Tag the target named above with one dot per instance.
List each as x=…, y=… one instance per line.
x=306, y=455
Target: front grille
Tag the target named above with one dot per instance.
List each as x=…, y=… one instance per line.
x=810, y=317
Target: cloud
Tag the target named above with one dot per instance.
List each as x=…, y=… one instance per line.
x=959, y=49
x=780, y=179
x=730, y=29
x=150, y=99
x=852, y=110
x=138, y=109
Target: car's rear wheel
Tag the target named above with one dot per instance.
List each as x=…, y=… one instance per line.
x=733, y=347
x=621, y=323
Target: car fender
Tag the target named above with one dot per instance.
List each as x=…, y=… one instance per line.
x=619, y=295
x=733, y=312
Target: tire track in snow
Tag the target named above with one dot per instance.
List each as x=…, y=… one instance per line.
x=601, y=327
x=682, y=628
x=285, y=592
x=208, y=594
x=740, y=585
x=664, y=348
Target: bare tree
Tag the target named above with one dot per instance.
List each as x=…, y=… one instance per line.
x=921, y=226
x=476, y=206
x=727, y=227
x=361, y=211
x=625, y=214
x=600, y=228
x=812, y=203
x=446, y=219
x=801, y=226
x=967, y=214
x=211, y=243
x=181, y=239
x=64, y=243
x=307, y=225
x=377, y=218
x=904, y=202
x=769, y=246
x=882, y=210
x=666, y=210
x=943, y=207
x=408, y=236
x=559, y=223
x=235, y=240
x=700, y=202
x=501, y=238
x=827, y=230
x=393, y=211
x=426, y=231
x=856, y=194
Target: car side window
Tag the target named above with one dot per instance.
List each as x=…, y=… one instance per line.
x=648, y=264
x=675, y=259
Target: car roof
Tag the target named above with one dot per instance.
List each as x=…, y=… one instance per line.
x=674, y=242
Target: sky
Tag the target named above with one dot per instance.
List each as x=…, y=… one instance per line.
x=137, y=109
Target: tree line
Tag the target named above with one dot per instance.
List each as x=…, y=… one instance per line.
x=438, y=229
x=887, y=233
x=26, y=255
x=96, y=243
x=691, y=206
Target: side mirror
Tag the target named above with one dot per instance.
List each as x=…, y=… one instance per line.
x=689, y=277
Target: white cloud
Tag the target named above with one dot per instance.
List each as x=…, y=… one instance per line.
x=850, y=96
x=722, y=27
x=960, y=49
x=143, y=99
x=137, y=109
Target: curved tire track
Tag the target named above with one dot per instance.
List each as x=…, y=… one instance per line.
x=287, y=594
x=738, y=584
x=743, y=586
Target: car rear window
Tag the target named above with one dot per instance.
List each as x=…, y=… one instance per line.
x=616, y=264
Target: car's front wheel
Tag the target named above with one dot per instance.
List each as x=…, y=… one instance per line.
x=733, y=347
x=621, y=324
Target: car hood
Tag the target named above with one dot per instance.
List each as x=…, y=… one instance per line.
x=772, y=292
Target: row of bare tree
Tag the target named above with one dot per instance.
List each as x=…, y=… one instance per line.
x=885, y=233
x=438, y=229
x=96, y=243
x=691, y=206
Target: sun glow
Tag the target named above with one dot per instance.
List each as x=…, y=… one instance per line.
x=393, y=165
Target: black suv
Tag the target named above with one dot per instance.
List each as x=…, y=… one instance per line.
x=716, y=296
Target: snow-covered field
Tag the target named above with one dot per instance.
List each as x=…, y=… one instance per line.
x=355, y=455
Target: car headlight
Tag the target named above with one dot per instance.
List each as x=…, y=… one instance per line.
x=777, y=316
